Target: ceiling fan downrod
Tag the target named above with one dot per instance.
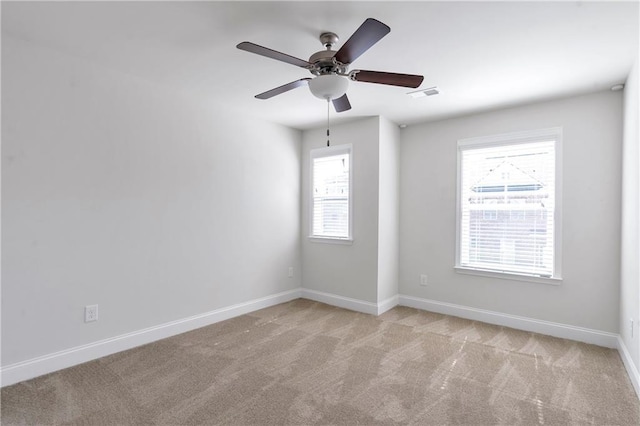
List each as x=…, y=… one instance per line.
x=329, y=40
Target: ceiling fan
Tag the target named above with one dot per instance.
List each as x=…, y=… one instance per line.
x=331, y=68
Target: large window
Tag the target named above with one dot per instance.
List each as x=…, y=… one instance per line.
x=331, y=192
x=508, y=210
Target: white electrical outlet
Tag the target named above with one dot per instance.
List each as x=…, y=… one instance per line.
x=423, y=280
x=631, y=327
x=90, y=313
x=290, y=271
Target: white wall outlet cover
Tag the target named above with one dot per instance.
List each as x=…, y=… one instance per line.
x=90, y=313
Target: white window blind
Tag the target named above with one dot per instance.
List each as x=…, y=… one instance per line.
x=331, y=182
x=507, y=206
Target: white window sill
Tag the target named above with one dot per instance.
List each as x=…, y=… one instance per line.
x=330, y=240
x=508, y=275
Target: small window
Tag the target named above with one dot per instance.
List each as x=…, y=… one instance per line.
x=331, y=193
x=508, y=209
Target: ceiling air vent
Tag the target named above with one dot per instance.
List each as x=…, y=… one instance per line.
x=424, y=92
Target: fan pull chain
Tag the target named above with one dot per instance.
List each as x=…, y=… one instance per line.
x=328, y=143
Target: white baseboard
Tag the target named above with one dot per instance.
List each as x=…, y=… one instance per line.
x=28, y=369
x=349, y=303
x=632, y=371
x=35, y=367
x=341, y=301
x=596, y=337
x=387, y=304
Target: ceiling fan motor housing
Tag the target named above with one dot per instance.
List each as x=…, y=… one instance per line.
x=325, y=63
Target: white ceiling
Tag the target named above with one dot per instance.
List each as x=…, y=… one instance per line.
x=481, y=55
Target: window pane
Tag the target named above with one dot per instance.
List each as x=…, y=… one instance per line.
x=507, y=208
x=331, y=196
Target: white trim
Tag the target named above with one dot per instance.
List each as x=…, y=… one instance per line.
x=596, y=337
x=50, y=363
x=511, y=138
x=330, y=240
x=341, y=301
x=632, y=371
x=559, y=207
x=505, y=275
x=350, y=303
x=554, y=133
x=35, y=367
x=327, y=152
x=387, y=304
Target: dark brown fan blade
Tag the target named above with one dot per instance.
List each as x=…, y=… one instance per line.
x=273, y=54
x=390, y=78
x=342, y=103
x=284, y=88
x=369, y=33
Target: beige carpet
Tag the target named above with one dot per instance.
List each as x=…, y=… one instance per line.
x=304, y=362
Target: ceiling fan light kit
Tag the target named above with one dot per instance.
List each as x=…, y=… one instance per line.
x=331, y=68
x=328, y=86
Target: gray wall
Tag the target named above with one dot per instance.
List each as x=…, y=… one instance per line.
x=388, y=210
x=366, y=270
x=630, y=272
x=589, y=293
x=158, y=207
x=120, y=193
x=347, y=270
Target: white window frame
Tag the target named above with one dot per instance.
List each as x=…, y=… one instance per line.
x=554, y=133
x=328, y=152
